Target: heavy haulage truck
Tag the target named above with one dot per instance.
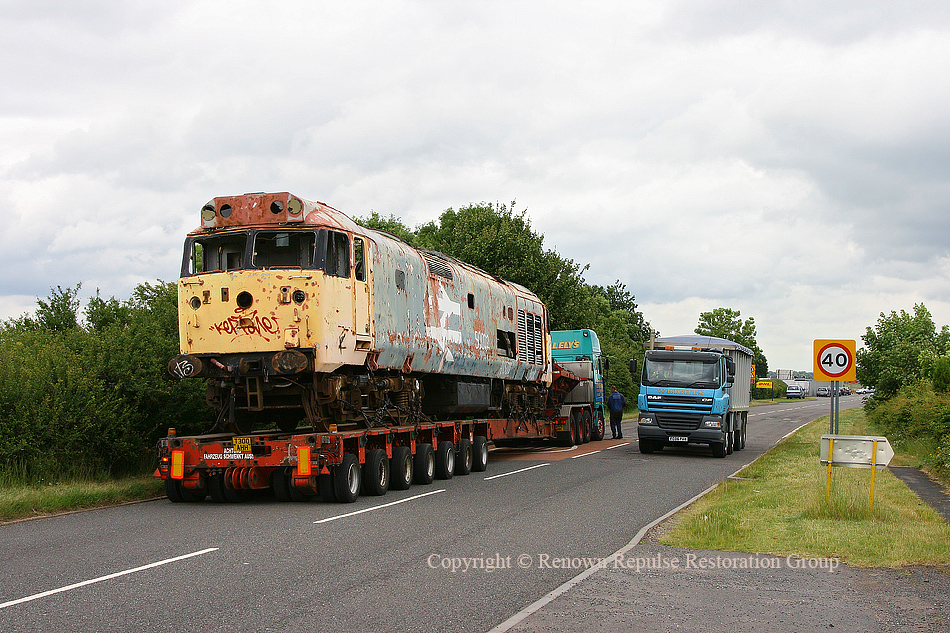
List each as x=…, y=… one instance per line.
x=579, y=352
x=694, y=390
x=342, y=361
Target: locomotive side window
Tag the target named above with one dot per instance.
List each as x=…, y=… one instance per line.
x=289, y=249
x=506, y=344
x=359, y=266
x=338, y=254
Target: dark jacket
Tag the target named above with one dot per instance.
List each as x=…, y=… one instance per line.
x=616, y=402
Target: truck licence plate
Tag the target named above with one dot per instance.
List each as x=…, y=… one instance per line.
x=678, y=438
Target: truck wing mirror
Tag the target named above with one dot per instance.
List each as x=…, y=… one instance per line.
x=730, y=367
x=633, y=367
x=606, y=367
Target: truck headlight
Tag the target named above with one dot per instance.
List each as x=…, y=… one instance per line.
x=646, y=420
x=712, y=421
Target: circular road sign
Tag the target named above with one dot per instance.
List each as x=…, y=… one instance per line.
x=834, y=360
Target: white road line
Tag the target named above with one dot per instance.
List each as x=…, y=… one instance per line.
x=514, y=472
x=600, y=450
x=385, y=505
x=102, y=578
x=617, y=445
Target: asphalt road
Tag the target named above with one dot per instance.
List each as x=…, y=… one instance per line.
x=382, y=563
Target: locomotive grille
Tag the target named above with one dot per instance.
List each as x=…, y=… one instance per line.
x=678, y=421
x=530, y=338
x=437, y=266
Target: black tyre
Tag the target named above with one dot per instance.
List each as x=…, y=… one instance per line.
x=325, y=489
x=586, y=431
x=346, y=479
x=647, y=446
x=718, y=449
x=423, y=465
x=599, y=428
x=221, y=491
x=480, y=454
x=741, y=437
x=278, y=483
x=569, y=436
x=445, y=460
x=463, y=460
x=730, y=438
x=173, y=490
x=375, y=473
x=400, y=468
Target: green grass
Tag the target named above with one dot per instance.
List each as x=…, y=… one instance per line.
x=778, y=506
x=22, y=501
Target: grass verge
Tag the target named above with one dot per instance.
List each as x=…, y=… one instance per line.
x=18, y=502
x=778, y=506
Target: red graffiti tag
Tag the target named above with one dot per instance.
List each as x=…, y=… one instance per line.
x=251, y=324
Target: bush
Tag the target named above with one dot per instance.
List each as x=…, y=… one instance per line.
x=916, y=412
x=92, y=399
x=941, y=458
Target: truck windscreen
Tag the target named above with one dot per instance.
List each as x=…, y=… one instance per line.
x=671, y=372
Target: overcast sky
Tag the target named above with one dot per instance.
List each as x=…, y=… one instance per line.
x=790, y=160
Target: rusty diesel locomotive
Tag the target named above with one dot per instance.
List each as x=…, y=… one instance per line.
x=298, y=316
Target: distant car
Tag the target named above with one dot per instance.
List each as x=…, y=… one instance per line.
x=845, y=391
x=823, y=392
x=794, y=391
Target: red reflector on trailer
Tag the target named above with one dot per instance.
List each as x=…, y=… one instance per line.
x=303, y=460
x=178, y=465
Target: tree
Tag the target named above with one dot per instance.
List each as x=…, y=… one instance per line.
x=728, y=324
x=901, y=349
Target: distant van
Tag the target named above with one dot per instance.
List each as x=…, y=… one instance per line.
x=794, y=391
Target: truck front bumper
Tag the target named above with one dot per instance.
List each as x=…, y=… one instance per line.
x=648, y=429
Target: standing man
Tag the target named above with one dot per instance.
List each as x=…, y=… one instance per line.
x=616, y=402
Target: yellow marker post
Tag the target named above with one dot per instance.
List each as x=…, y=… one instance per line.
x=873, y=471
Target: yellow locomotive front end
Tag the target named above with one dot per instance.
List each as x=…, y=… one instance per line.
x=272, y=291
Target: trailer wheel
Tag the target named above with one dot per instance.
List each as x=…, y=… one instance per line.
x=375, y=476
x=278, y=483
x=219, y=491
x=173, y=490
x=401, y=468
x=346, y=479
x=423, y=465
x=480, y=454
x=445, y=460
x=325, y=488
x=463, y=461
x=599, y=428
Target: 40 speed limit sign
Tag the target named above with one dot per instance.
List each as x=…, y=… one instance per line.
x=834, y=360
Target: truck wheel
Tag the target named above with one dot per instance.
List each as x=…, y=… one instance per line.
x=738, y=442
x=480, y=454
x=646, y=446
x=599, y=429
x=346, y=479
x=463, y=461
x=730, y=438
x=445, y=460
x=718, y=449
x=375, y=475
x=423, y=465
x=585, y=427
x=401, y=468
x=569, y=437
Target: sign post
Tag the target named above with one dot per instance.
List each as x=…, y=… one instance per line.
x=855, y=451
x=834, y=361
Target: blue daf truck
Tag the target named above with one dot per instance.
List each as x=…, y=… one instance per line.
x=578, y=351
x=694, y=390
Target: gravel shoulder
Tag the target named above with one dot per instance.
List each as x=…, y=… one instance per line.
x=711, y=591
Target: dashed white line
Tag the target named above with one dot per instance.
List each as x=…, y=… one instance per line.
x=514, y=472
x=384, y=505
x=103, y=578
